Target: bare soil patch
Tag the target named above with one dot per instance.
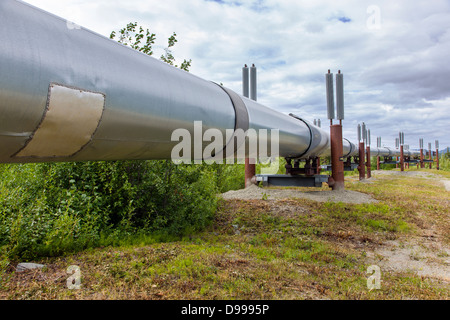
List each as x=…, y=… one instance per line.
x=424, y=257
x=254, y=192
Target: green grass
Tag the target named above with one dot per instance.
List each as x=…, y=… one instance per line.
x=254, y=250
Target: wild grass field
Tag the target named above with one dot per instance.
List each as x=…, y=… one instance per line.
x=280, y=249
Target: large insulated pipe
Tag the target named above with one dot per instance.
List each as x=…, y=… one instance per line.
x=69, y=94
x=390, y=152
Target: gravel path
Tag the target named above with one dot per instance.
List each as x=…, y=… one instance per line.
x=421, y=174
x=254, y=193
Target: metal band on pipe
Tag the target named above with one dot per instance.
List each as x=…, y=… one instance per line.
x=352, y=148
x=316, y=143
x=241, y=120
x=310, y=132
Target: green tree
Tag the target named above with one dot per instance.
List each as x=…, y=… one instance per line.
x=143, y=40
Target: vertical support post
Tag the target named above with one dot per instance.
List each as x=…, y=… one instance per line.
x=318, y=158
x=318, y=165
x=361, y=167
x=250, y=164
x=337, y=161
x=402, y=159
x=437, y=155
x=421, y=159
x=361, y=152
x=430, y=156
x=401, y=140
x=397, y=146
x=250, y=171
x=378, y=157
x=368, y=164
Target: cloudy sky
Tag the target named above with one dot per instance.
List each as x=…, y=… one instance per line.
x=395, y=55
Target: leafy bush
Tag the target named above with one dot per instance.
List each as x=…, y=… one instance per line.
x=444, y=161
x=49, y=209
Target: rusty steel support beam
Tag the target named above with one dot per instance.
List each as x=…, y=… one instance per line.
x=249, y=89
x=361, y=167
x=430, y=157
x=368, y=164
x=422, y=165
x=402, y=159
x=318, y=165
x=250, y=171
x=337, y=162
x=437, y=159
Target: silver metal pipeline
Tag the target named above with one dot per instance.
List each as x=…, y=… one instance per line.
x=388, y=152
x=69, y=94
